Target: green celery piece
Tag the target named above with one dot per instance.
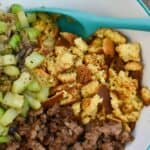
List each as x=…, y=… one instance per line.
x=13, y=100
x=34, y=60
x=3, y=130
x=18, y=10
x=8, y=117
x=18, y=25
x=30, y=93
x=21, y=83
x=33, y=33
x=31, y=17
x=6, y=51
x=15, y=8
x=34, y=104
x=22, y=19
x=34, y=86
x=43, y=94
x=2, y=111
x=4, y=139
x=1, y=60
x=8, y=59
x=14, y=41
x=3, y=27
x=1, y=96
x=25, y=108
x=11, y=71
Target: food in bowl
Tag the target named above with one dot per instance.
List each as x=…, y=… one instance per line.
x=59, y=91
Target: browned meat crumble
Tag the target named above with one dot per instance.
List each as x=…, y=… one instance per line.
x=58, y=129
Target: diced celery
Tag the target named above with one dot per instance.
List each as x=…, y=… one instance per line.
x=32, y=94
x=18, y=10
x=3, y=27
x=2, y=111
x=22, y=19
x=14, y=41
x=34, y=60
x=1, y=60
x=21, y=83
x=8, y=116
x=25, y=108
x=13, y=100
x=11, y=71
x=33, y=33
x=34, y=104
x=15, y=8
x=34, y=86
x=18, y=25
x=3, y=130
x=6, y=51
x=8, y=60
x=43, y=94
x=1, y=96
x=31, y=17
x=4, y=139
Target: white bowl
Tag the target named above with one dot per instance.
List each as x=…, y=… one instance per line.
x=120, y=8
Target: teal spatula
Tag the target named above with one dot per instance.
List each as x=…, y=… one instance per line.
x=86, y=24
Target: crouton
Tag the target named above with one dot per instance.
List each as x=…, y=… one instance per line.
x=67, y=77
x=90, y=107
x=81, y=44
x=115, y=36
x=129, y=51
x=133, y=66
x=90, y=89
x=145, y=94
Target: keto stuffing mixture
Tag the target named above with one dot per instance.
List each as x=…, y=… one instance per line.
x=61, y=92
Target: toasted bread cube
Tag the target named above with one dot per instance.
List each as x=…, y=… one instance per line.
x=59, y=50
x=76, y=51
x=145, y=93
x=115, y=36
x=81, y=44
x=67, y=77
x=108, y=47
x=64, y=61
x=90, y=88
x=101, y=76
x=76, y=108
x=133, y=66
x=129, y=51
x=78, y=62
x=95, y=59
x=95, y=46
x=93, y=68
x=90, y=106
x=68, y=36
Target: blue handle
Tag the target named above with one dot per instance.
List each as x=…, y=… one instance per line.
x=148, y=148
x=142, y=24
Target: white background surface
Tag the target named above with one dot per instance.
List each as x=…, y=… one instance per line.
x=120, y=8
